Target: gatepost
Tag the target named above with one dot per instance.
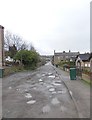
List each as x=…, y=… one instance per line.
x=1, y=50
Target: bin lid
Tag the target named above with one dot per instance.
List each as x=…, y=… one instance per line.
x=1, y=68
x=72, y=68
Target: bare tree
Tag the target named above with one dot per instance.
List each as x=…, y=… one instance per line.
x=13, y=39
x=7, y=39
x=24, y=46
x=32, y=48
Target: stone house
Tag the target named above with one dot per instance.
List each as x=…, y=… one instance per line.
x=82, y=60
x=64, y=56
x=90, y=58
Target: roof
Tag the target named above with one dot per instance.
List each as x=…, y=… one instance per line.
x=84, y=57
x=67, y=54
x=90, y=56
x=73, y=58
x=1, y=27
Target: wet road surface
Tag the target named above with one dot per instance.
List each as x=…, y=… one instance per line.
x=38, y=94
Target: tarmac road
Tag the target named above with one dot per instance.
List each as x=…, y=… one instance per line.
x=38, y=94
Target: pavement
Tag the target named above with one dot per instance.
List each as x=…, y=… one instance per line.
x=0, y=98
x=44, y=93
x=80, y=92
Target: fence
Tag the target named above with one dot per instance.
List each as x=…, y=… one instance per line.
x=79, y=73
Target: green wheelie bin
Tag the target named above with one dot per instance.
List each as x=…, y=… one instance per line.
x=73, y=73
x=1, y=72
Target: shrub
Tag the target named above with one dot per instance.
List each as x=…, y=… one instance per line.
x=27, y=58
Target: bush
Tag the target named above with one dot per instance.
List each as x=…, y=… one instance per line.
x=28, y=58
x=67, y=64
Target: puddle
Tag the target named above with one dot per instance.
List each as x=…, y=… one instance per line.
x=52, y=89
x=41, y=83
x=46, y=109
x=40, y=80
x=50, y=73
x=28, y=81
x=58, y=81
x=55, y=101
x=71, y=93
x=26, y=90
x=63, y=91
x=57, y=78
x=49, y=86
x=28, y=95
x=38, y=75
x=10, y=88
x=51, y=76
x=59, y=91
x=54, y=92
x=63, y=108
x=44, y=83
x=34, y=88
x=57, y=84
x=31, y=102
x=18, y=89
x=43, y=75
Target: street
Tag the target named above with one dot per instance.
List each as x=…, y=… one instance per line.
x=38, y=94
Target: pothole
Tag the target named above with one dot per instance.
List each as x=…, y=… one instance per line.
x=63, y=108
x=54, y=92
x=31, y=102
x=50, y=73
x=40, y=80
x=55, y=101
x=28, y=95
x=10, y=88
x=63, y=91
x=57, y=84
x=46, y=109
x=52, y=89
x=59, y=91
x=51, y=76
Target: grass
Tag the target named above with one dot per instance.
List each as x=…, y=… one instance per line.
x=19, y=68
x=13, y=69
x=84, y=79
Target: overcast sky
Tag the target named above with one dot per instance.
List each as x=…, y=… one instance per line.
x=60, y=25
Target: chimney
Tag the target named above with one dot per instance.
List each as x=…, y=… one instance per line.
x=1, y=46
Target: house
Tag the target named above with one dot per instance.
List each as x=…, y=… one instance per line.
x=90, y=58
x=9, y=59
x=82, y=60
x=64, y=56
x=46, y=57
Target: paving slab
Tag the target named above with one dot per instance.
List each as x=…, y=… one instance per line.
x=80, y=92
